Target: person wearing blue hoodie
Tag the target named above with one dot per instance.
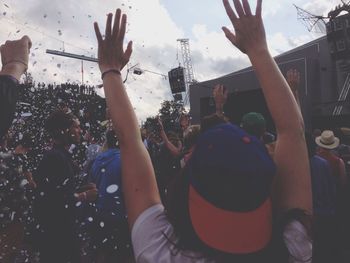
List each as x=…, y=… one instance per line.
x=109, y=227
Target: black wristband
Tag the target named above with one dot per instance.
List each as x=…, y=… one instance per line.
x=11, y=78
x=116, y=71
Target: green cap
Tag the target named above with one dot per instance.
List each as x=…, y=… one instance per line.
x=254, y=123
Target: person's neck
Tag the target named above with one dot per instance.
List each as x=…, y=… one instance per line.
x=61, y=144
x=324, y=150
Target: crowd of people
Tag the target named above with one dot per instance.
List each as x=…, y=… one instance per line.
x=80, y=181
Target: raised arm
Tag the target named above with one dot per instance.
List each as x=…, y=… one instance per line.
x=293, y=79
x=174, y=150
x=293, y=183
x=220, y=94
x=139, y=183
x=14, y=59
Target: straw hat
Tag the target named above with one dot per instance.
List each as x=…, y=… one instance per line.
x=327, y=140
x=345, y=131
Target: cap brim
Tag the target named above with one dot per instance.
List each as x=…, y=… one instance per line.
x=227, y=231
x=330, y=146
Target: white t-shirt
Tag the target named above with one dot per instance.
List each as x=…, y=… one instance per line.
x=152, y=229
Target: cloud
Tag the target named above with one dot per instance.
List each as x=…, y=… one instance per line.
x=213, y=55
x=279, y=42
x=272, y=7
x=67, y=24
x=321, y=7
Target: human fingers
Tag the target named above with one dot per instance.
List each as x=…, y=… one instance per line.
x=229, y=11
x=217, y=86
x=216, y=89
x=122, y=29
x=294, y=73
x=27, y=40
x=225, y=92
x=258, y=8
x=229, y=35
x=116, y=24
x=128, y=51
x=239, y=8
x=297, y=75
x=246, y=7
x=109, y=26
x=221, y=89
x=98, y=33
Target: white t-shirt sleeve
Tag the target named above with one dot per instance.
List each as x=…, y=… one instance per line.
x=150, y=238
x=298, y=243
x=151, y=233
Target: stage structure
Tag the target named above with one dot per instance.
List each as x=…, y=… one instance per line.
x=134, y=69
x=324, y=65
x=182, y=76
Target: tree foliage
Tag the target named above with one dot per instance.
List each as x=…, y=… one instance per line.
x=169, y=113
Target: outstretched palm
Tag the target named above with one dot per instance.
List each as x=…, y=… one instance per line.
x=111, y=54
x=249, y=35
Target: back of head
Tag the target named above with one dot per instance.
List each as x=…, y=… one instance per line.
x=211, y=121
x=254, y=124
x=112, y=140
x=173, y=137
x=58, y=125
x=96, y=133
x=191, y=135
x=225, y=193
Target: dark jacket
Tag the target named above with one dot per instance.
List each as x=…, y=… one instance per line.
x=54, y=207
x=8, y=99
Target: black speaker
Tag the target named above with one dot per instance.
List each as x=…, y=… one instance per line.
x=177, y=97
x=177, y=80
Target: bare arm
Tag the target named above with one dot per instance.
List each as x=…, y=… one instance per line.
x=220, y=94
x=175, y=151
x=14, y=59
x=139, y=183
x=15, y=56
x=293, y=79
x=293, y=181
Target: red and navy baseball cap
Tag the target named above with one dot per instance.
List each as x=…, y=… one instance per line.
x=230, y=176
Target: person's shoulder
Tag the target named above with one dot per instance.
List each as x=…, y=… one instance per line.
x=153, y=237
x=52, y=153
x=298, y=242
x=320, y=160
x=53, y=156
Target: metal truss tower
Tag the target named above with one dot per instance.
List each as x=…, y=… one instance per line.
x=186, y=56
x=317, y=23
x=312, y=22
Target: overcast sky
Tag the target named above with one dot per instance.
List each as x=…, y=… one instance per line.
x=154, y=26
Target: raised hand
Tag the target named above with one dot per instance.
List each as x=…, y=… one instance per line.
x=111, y=54
x=15, y=56
x=91, y=195
x=293, y=79
x=160, y=124
x=220, y=94
x=249, y=35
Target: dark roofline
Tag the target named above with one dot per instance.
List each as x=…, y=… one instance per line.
x=247, y=69
x=302, y=46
